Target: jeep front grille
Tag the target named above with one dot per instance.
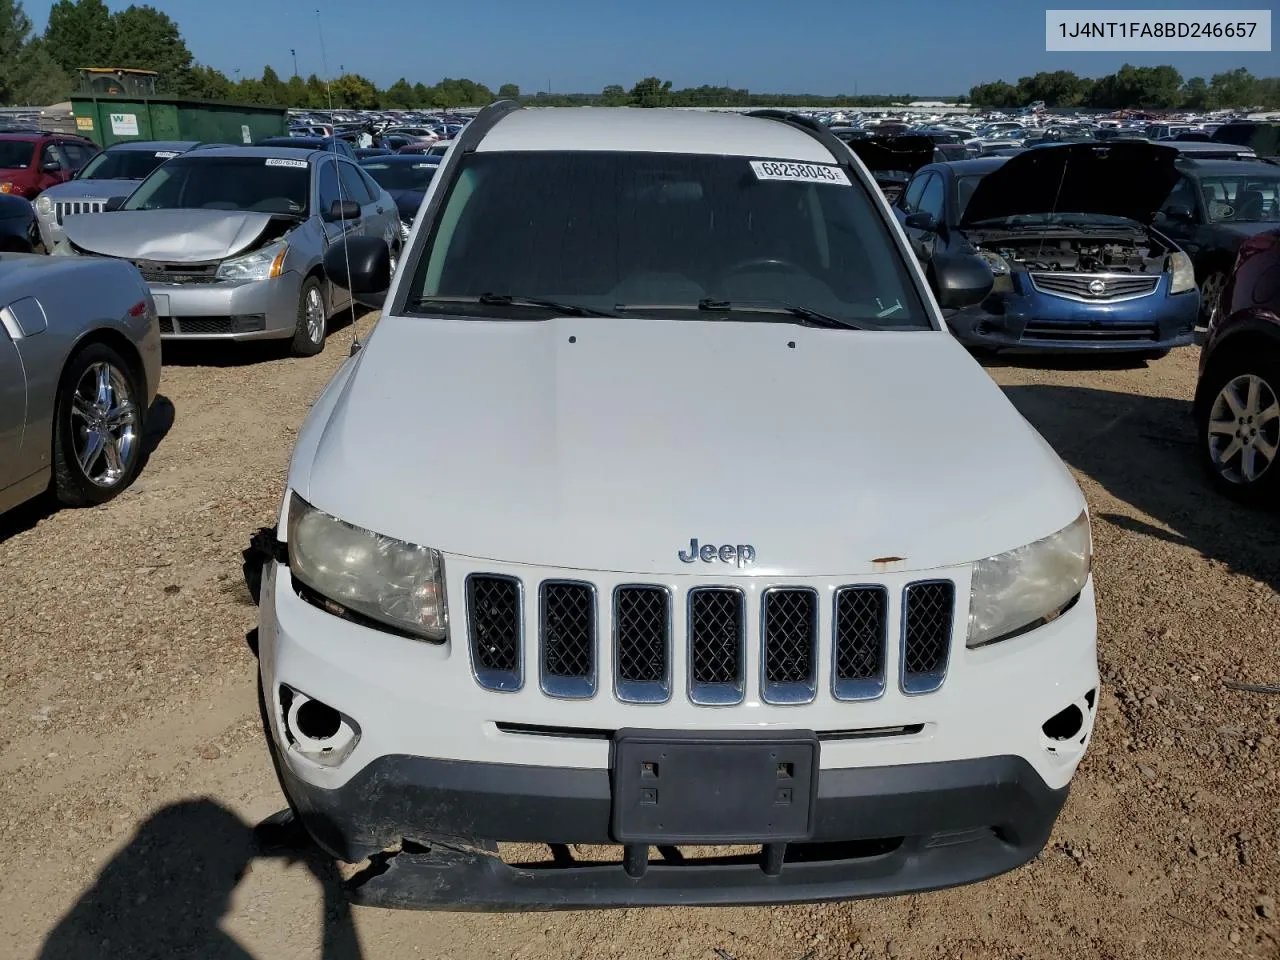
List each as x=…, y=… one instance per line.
x=567, y=615
x=789, y=627
x=718, y=622
x=496, y=617
x=71, y=208
x=717, y=645
x=858, y=654
x=927, y=612
x=642, y=643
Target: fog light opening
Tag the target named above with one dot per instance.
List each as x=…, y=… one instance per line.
x=318, y=721
x=316, y=730
x=1064, y=725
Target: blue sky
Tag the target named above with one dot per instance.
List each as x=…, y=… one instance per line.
x=930, y=47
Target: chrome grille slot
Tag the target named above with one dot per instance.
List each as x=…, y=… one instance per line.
x=496, y=619
x=928, y=611
x=1079, y=286
x=858, y=655
x=567, y=618
x=789, y=628
x=70, y=208
x=642, y=643
x=717, y=645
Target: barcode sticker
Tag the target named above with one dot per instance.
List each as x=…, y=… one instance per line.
x=799, y=172
x=298, y=164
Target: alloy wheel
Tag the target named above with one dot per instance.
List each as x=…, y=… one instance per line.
x=104, y=420
x=1244, y=429
x=1210, y=294
x=315, y=315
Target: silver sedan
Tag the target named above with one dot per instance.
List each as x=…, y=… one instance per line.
x=79, y=368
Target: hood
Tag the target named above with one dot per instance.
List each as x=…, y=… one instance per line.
x=614, y=451
x=407, y=202
x=90, y=189
x=907, y=154
x=173, y=236
x=1127, y=179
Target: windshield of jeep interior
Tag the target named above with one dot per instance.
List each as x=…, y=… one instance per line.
x=631, y=233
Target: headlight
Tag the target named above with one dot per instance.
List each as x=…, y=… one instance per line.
x=44, y=206
x=6, y=187
x=260, y=265
x=1030, y=585
x=1184, y=274
x=1000, y=270
x=396, y=583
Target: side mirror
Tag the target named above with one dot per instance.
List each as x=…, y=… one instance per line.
x=342, y=210
x=51, y=166
x=921, y=220
x=115, y=203
x=960, y=281
x=361, y=265
x=1178, y=212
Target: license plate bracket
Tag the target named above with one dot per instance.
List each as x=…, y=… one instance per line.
x=673, y=787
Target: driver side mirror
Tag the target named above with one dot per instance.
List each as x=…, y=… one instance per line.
x=342, y=210
x=1179, y=213
x=921, y=220
x=960, y=281
x=115, y=203
x=51, y=166
x=361, y=265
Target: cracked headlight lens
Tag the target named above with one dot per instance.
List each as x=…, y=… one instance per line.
x=387, y=580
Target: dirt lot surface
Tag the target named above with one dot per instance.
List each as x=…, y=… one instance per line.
x=131, y=763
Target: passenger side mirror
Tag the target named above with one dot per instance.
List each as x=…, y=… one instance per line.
x=342, y=210
x=922, y=220
x=960, y=281
x=51, y=166
x=361, y=265
x=115, y=203
x=1178, y=212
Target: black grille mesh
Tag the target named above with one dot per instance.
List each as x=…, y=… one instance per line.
x=790, y=629
x=641, y=615
x=166, y=324
x=860, y=629
x=568, y=630
x=493, y=607
x=928, y=615
x=715, y=621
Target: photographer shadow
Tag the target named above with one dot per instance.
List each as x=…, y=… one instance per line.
x=164, y=895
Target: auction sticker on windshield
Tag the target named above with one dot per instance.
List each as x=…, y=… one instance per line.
x=298, y=164
x=799, y=172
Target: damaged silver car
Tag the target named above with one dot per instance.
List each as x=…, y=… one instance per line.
x=231, y=240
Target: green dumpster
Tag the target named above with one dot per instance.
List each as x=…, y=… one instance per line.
x=113, y=119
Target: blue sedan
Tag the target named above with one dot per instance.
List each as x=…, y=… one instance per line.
x=1066, y=232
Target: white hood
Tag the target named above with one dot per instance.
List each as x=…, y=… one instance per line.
x=507, y=441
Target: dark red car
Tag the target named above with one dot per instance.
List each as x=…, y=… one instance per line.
x=1237, y=404
x=32, y=161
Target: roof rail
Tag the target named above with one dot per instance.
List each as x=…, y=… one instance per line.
x=473, y=132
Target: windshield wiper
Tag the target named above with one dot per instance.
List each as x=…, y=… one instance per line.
x=509, y=300
x=807, y=317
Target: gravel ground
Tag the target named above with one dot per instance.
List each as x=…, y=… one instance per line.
x=131, y=761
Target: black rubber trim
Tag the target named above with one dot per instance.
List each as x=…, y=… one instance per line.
x=876, y=831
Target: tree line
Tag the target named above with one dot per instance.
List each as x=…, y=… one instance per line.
x=37, y=69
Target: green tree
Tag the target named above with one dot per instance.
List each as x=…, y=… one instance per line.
x=318, y=93
x=272, y=86
x=146, y=39
x=652, y=92
x=14, y=29
x=81, y=33
x=1061, y=88
x=399, y=96
x=355, y=92
x=615, y=96
x=1195, y=94
x=206, y=83
x=40, y=80
x=508, y=91
x=1235, y=88
x=996, y=94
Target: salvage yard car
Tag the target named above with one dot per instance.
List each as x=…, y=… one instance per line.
x=231, y=240
x=1066, y=229
x=663, y=572
x=79, y=367
x=114, y=172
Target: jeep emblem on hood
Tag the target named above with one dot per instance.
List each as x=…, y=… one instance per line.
x=744, y=554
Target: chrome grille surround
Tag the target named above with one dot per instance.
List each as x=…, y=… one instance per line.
x=642, y=638
x=496, y=642
x=567, y=639
x=859, y=642
x=789, y=644
x=1075, y=286
x=717, y=645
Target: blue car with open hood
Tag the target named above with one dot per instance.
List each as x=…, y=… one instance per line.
x=1066, y=231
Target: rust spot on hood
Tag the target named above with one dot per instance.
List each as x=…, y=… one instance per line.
x=881, y=562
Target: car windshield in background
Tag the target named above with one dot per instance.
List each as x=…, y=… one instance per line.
x=251, y=184
x=16, y=154
x=125, y=164
x=964, y=192
x=607, y=231
x=402, y=176
x=1245, y=199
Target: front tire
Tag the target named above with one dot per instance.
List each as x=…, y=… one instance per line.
x=98, y=427
x=313, y=319
x=1239, y=429
x=1210, y=293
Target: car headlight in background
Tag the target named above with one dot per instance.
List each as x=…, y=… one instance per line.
x=1000, y=270
x=260, y=265
x=1023, y=588
x=1184, y=274
x=6, y=187
x=44, y=206
x=387, y=580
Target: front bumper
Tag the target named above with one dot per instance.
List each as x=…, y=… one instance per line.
x=253, y=310
x=1029, y=320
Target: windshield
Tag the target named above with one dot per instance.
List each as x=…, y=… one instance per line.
x=125, y=164
x=608, y=230
x=16, y=154
x=256, y=184
x=964, y=191
x=1244, y=198
x=402, y=176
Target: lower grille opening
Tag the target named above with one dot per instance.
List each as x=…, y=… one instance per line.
x=534, y=856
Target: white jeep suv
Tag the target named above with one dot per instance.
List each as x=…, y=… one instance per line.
x=660, y=511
